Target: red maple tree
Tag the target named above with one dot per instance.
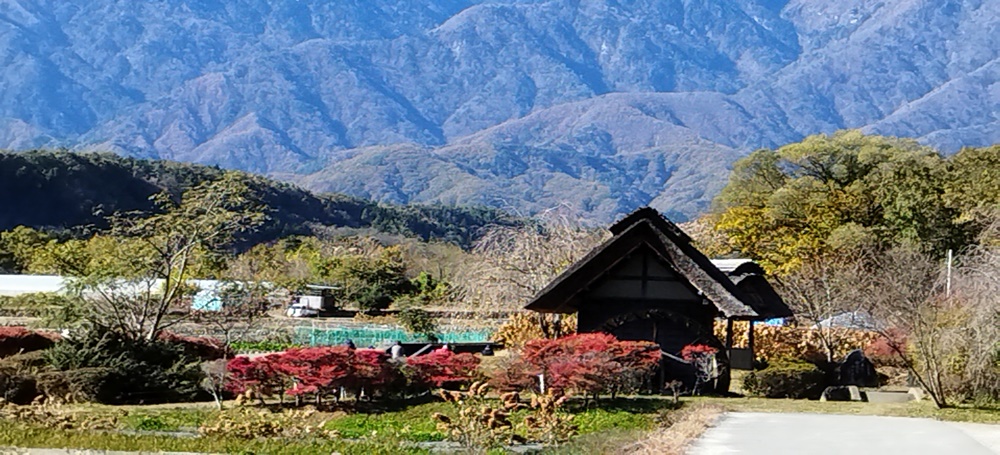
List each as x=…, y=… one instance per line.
x=588, y=363
x=442, y=368
x=321, y=370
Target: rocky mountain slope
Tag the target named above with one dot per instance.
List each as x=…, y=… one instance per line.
x=601, y=105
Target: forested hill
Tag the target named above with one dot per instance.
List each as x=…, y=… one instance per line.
x=65, y=191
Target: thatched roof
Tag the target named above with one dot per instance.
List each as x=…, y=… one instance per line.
x=750, y=278
x=644, y=227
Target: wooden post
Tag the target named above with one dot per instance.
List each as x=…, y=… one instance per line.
x=750, y=342
x=729, y=334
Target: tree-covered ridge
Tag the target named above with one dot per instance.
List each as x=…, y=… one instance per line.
x=76, y=191
x=852, y=191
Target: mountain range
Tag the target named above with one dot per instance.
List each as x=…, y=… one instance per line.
x=599, y=106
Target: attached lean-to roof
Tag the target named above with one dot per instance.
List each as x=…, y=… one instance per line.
x=751, y=279
x=643, y=227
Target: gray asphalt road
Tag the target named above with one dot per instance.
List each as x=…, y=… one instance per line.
x=820, y=434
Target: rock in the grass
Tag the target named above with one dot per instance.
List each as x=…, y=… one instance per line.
x=857, y=370
x=841, y=393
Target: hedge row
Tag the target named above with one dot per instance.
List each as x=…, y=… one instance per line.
x=778, y=342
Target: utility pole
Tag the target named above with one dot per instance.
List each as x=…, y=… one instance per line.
x=947, y=285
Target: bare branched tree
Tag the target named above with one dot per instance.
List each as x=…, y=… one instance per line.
x=244, y=298
x=511, y=264
x=827, y=287
x=976, y=284
x=907, y=290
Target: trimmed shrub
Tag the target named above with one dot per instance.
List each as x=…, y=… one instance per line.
x=201, y=348
x=16, y=340
x=84, y=385
x=142, y=371
x=28, y=361
x=17, y=388
x=524, y=327
x=786, y=379
x=778, y=342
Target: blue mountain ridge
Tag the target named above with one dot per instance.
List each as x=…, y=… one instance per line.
x=595, y=105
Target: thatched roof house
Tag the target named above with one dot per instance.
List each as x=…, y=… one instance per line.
x=649, y=282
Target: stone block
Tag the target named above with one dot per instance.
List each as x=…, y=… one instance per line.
x=841, y=393
x=873, y=396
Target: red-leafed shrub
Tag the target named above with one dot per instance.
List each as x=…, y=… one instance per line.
x=693, y=352
x=442, y=368
x=15, y=340
x=246, y=374
x=702, y=358
x=202, y=348
x=589, y=363
x=374, y=373
x=320, y=371
x=514, y=375
x=888, y=350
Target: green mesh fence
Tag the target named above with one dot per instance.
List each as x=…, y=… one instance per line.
x=381, y=336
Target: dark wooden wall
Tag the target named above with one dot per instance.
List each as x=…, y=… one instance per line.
x=643, y=298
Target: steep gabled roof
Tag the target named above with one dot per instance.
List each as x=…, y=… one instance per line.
x=644, y=227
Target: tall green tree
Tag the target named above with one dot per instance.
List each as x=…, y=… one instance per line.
x=829, y=192
x=972, y=184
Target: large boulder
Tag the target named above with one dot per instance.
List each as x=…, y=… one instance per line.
x=857, y=370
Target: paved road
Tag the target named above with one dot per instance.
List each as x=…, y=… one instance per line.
x=821, y=434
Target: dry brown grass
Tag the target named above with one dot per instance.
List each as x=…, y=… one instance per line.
x=687, y=425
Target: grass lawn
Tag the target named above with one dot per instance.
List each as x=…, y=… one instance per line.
x=19, y=435
x=374, y=431
x=414, y=423
x=608, y=426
